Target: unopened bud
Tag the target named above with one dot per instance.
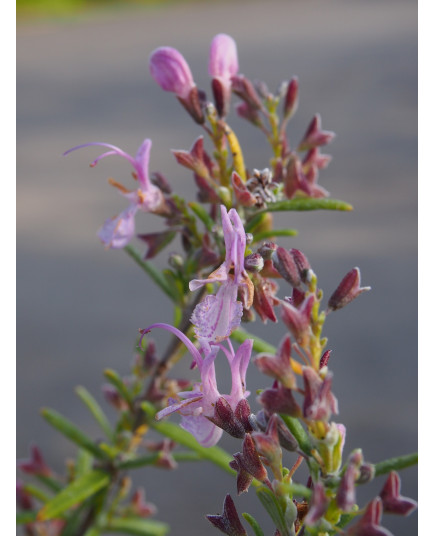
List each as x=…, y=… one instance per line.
x=176, y=261
x=285, y=264
x=348, y=289
x=225, y=419
x=280, y=400
x=393, y=502
x=302, y=263
x=254, y=262
x=228, y=522
x=291, y=99
x=314, y=136
x=225, y=195
x=171, y=71
x=267, y=249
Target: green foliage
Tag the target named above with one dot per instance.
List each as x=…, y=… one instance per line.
x=137, y=526
x=72, y=432
x=254, y=524
x=74, y=493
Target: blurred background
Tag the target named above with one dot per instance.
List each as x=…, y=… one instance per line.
x=82, y=76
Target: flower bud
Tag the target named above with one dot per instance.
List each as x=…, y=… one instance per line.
x=248, y=462
x=319, y=401
x=171, y=71
x=302, y=263
x=317, y=506
x=244, y=88
x=346, y=494
x=369, y=523
x=291, y=99
x=223, y=59
x=225, y=419
x=253, y=262
x=286, y=266
x=140, y=507
x=268, y=446
x=267, y=249
x=393, y=502
x=223, y=65
x=278, y=366
x=280, y=400
x=247, y=112
x=35, y=465
x=367, y=473
x=314, y=136
x=229, y=523
x=24, y=499
x=348, y=289
x=242, y=194
x=297, y=319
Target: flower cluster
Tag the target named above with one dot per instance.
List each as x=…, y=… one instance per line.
x=230, y=268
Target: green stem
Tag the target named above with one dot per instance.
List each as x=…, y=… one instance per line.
x=395, y=464
x=259, y=345
x=300, y=434
x=150, y=269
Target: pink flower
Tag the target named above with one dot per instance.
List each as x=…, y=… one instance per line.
x=223, y=65
x=223, y=59
x=117, y=232
x=198, y=405
x=171, y=71
x=218, y=315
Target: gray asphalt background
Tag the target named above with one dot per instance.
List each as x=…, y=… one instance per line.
x=79, y=307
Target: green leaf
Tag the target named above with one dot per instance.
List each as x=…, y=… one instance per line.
x=203, y=215
x=113, y=377
x=299, y=490
x=270, y=503
x=300, y=434
x=26, y=517
x=152, y=271
x=37, y=493
x=84, y=463
x=307, y=203
x=96, y=410
x=254, y=524
x=139, y=461
x=396, y=464
x=215, y=455
x=50, y=483
x=93, y=531
x=137, y=526
x=75, y=520
x=255, y=222
x=67, y=428
x=259, y=345
x=74, y=493
x=271, y=234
